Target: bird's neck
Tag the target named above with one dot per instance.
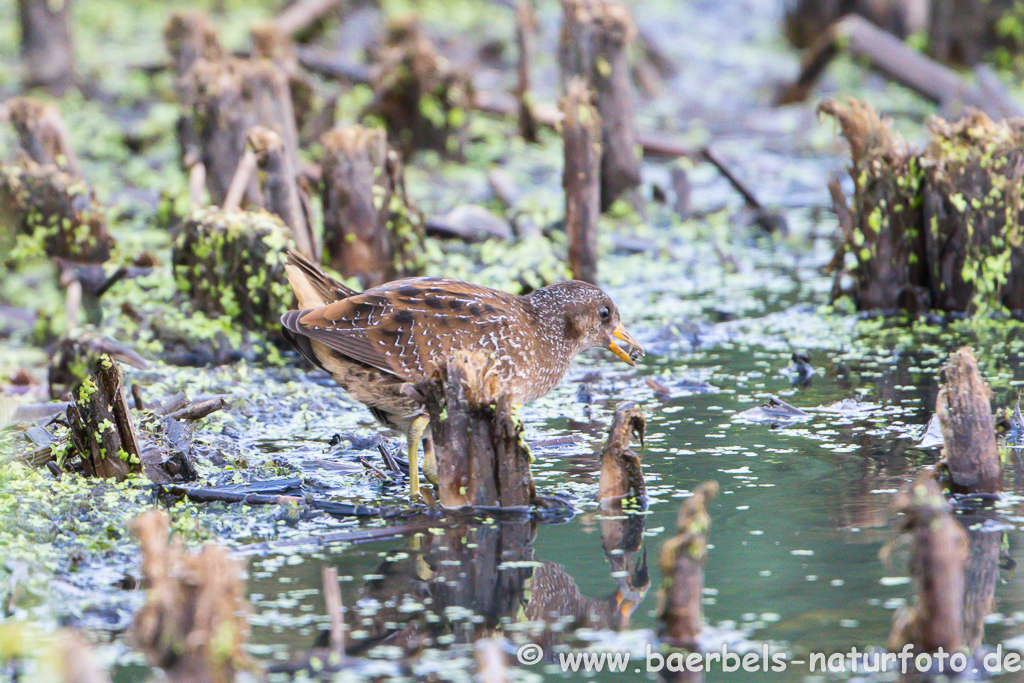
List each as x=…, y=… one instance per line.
x=554, y=342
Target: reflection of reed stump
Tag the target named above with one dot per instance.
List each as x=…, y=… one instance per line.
x=370, y=229
x=102, y=428
x=193, y=623
x=970, y=453
x=232, y=263
x=682, y=571
x=423, y=102
x=940, y=229
x=482, y=458
x=938, y=557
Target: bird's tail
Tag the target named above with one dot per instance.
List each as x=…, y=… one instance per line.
x=313, y=287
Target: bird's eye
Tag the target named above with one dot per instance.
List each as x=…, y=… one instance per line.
x=604, y=313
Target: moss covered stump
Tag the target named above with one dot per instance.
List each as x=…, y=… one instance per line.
x=938, y=228
x=232, y=264
x=54, y=213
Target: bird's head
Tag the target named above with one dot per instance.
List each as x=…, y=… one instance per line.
x=589, y=316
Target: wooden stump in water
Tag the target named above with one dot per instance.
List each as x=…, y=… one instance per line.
x=423, y=102
x=575, y=42
x=970, y=454
x=581, y=179
x=48, y=204
x=612, y=81
x=482, y=458
x=964, y=32
x=526, y=31
x=621, y=473
x=193, y=623
x=937, y=560
x=370, y=229
x=940, y=228
x=593, y=46
x=212, y=92
x=102, y=428
x=189, y=37
x=232, y=263
x=225, y=99
x=313, y=117
x=682, y=571
x=46, y=46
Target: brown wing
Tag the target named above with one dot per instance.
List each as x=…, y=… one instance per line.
x=407, y=326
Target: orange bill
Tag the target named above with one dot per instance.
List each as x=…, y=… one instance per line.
x=635, y=349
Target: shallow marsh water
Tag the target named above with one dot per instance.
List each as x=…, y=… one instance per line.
x=804, y=509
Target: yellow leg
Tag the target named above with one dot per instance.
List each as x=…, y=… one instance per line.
x=429, y=461
x=415, y=435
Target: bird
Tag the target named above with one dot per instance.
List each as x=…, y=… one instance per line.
x=376, y=342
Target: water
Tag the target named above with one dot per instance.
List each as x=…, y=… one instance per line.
x=803, y=513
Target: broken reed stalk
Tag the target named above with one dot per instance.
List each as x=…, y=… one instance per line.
x=621, y=473
x=970, y=453
x=581, y=135
x=189, y=37
x=575, y=42
x=76, y=661
x=221, y=119
x=937, y=561
x=314, y=115
x=593, y=46
x=46, y=45
x=101, y=424
x=482, y=458
x=75, y=356
x=272, y=43
x=682, y=569
x=526, y=31
x=370, y=229
x=939, y=228
x=280, y=185
x=192, y=625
